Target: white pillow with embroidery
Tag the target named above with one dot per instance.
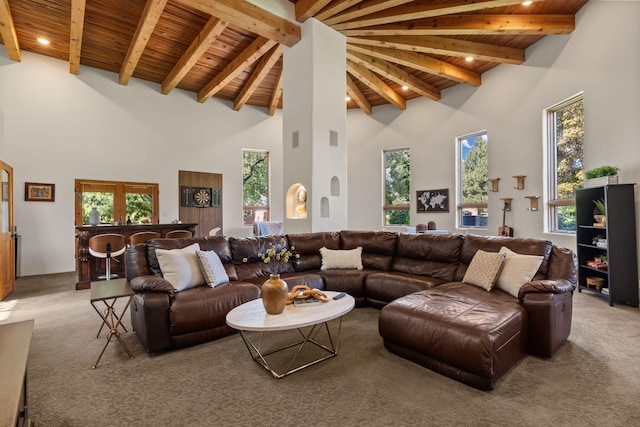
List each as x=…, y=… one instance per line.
x=484, y=269
x=341, y=259
x=517, y=270
x=180, y=267
x=212, y=268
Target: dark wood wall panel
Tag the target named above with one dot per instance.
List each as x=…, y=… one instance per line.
x=208, y=217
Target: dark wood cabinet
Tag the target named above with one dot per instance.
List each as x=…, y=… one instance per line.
x=613, y=242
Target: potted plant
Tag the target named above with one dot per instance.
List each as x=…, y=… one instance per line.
x=600, y=176
x=600, y=213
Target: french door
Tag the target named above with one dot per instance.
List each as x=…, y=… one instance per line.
x=7, y=248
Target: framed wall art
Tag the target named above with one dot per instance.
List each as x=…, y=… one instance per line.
x=432, y=200
x=37, y=192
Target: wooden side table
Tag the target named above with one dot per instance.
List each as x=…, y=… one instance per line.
x=108, y=292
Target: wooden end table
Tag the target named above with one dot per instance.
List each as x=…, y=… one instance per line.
x=108, y=292
x=251, y=316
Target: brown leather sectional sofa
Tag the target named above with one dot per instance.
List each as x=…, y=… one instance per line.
x=427, y=314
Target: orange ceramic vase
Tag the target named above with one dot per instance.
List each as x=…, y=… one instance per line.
x=274, y=294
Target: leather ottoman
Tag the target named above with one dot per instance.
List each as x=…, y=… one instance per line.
x=463, y=332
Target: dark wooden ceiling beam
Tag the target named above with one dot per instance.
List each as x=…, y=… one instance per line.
x=148, y=20
x=276, y=95
x=395, y=74
x=75, y=39
x=474, y=25
x=250, y=17
x=357, y=96
x=370, y=7
x=420, y=62
x=334, y=8
x=212, y=29
x=376, y=84
x=262, y=69
x=240, y=63
x=446, y=46
x=8, y=32
x=420, y=11
x=305, y=9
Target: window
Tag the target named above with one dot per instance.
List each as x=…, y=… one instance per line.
x=129, y=201
x=564, y=130
x=255, y=186
x=397, y=183
x=473, y=176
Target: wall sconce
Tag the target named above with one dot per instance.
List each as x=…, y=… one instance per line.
x=519, y=182
x=533, y=202
x=507, y=203
x=494, y=184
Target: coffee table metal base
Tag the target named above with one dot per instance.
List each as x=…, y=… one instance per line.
x=308, y=338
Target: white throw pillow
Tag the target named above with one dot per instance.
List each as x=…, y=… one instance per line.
x=180, y=267
x=212, y=268
x=517, y=270
x=484, y=269
x=351, y=258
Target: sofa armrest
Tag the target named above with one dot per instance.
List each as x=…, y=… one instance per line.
x=554, y=286
x=150, y=283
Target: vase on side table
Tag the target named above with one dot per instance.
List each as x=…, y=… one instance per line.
x=274, y=294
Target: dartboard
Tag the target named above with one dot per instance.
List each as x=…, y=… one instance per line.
x=202, y=197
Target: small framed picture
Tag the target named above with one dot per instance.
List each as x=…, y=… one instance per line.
x=37, y=192
x=432, y=200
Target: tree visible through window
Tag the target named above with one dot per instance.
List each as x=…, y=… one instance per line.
x=472, y=183
x=565, y=134
x=255, y=186
x=397, y=186
x=132, y=201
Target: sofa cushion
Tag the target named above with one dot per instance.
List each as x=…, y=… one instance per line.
x=378, y=247
x=516, y=270
x=341, y=259
x=484, y=269
x=247, y=261
x=386, y=286
x=494, y=243
x=180, y=267
x=428, y=255
x=308, y=245
x=212, y=268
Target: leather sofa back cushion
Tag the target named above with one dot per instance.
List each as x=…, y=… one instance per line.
x=435, y=255
x=247, y=262
x=219, y=244
x=378, y=247
x=493, y=244
x=308, y=247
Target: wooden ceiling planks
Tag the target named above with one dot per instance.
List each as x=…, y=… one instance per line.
x=424, y=42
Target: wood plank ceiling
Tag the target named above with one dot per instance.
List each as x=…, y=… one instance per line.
x=231, y=49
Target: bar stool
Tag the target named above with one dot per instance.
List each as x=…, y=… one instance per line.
x=214, y=231
x=142, y=237
x=176, y=234
x=107, y=246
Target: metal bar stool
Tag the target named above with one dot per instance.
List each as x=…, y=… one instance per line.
x=107, y=246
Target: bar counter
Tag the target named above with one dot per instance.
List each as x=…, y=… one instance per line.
x=89, y=268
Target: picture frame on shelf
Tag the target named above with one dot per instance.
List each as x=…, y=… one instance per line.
x=39, y=192
x=432, y=200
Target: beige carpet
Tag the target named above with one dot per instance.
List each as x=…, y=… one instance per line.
x=594, y=379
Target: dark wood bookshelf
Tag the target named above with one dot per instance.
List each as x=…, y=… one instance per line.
x=620, y=277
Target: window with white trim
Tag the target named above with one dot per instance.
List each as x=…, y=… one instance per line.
x=564, y=135
x=397, y=186
x=472, y=182
x=255, y=186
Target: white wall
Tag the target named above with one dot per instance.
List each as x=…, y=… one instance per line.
x=59, y=127
x=600, y=57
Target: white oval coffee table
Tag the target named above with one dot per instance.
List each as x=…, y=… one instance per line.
x=252, y=317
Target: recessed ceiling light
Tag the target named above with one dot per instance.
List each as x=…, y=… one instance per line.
x=43, y=41
x=527, y=3
x=405, y=87
x=469, y=58
x=348, y=98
